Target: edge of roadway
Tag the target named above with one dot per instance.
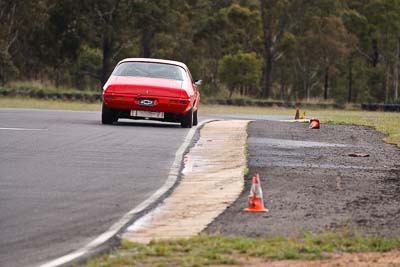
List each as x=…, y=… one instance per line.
x=109, y=239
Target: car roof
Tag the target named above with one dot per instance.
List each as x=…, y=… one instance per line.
x=154, y=60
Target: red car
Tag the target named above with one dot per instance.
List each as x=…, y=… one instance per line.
x=155, y=89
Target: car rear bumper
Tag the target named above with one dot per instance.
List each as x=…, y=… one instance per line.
x=160, y=104
x=168, y=116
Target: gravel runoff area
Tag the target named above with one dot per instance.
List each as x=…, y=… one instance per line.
x=311, y=183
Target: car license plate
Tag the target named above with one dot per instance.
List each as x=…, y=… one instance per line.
x=146, y=102
x=147, y=114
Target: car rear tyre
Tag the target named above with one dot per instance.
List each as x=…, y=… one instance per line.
x=195, y=121
x=108, y=115
x=187, y=119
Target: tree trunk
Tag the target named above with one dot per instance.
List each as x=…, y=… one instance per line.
x=107, y=54
x=282, y=89
x=326, y=84
x=387, y=82
x=306, y=88
x=349, y=97
x=307, y=83
x=146, y=39
x=267, y=75
x=396, y=72
x=268, y=54
x=2, y=78
x=214, y=75
x=58, y=76
x=375, y=53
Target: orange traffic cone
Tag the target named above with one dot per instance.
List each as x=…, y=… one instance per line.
x=256, y=203
x=297, y=116
x=314, y=124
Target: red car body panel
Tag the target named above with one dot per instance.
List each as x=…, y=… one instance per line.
x=169, y=96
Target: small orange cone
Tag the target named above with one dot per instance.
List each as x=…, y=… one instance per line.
x=314, y=124
x=303, y=117
x=297, y=116
x=256, y=203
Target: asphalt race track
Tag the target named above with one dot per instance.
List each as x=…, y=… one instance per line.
x=65, y=178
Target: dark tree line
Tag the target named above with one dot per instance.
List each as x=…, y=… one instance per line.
x=292, y=50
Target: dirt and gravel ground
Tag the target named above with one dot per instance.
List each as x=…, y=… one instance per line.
x=311, y=184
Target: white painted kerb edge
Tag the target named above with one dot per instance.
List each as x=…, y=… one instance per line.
x=22, y=129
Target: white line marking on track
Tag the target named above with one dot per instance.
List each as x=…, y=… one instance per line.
x=116, y=227
x=22, y=129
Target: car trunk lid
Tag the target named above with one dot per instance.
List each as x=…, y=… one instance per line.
x=146, y=87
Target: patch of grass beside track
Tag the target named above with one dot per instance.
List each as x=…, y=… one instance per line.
x=19, y=102
x=385, y=122
x=217, y=250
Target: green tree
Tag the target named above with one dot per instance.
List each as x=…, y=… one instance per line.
x=17, y=19
x=240, y=71
x=286, y=66
x=111, y=23
x=309, y=48
x=326, y=43
x=60, y=37
x=211, y=38
x=384, y=19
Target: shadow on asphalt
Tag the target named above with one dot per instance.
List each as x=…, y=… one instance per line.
x=132, y=123
x=147, y=124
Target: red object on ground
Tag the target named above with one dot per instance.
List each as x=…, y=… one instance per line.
x=156, y=89
x=297, y=116
x=314, y=124
x=256, y=203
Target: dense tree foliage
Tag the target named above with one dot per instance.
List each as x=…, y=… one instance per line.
x=240, y=71
x=343, y=50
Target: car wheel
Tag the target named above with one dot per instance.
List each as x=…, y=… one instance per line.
x=187, y=120
x=195, y=121
x=108, y=115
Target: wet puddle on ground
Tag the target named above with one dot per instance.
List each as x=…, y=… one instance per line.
x=292, y=143
x=258, y=163
x=197, y=164
x=187, y=164
x=290, y=151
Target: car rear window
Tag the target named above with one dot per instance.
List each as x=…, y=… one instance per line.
x=150, y=70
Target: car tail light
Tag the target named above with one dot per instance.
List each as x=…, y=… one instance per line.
x=114, y=97
x=182, y=102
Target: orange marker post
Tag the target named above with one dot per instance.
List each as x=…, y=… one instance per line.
x=297, y=116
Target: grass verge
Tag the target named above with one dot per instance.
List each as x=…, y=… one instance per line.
x=217, y=250
x=385, y=122
x=42, y=91
x=22, y=102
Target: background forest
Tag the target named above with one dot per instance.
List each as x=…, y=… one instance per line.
x=340, y=50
